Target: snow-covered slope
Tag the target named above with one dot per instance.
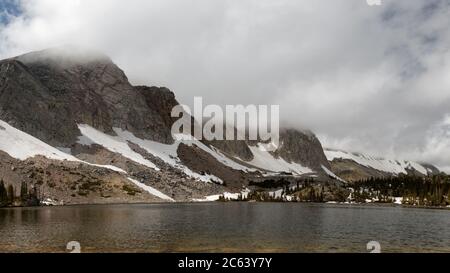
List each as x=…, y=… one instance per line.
x=168, y=153
x=165, y=152
x=381, y=164
x=21, y=146
x=330, y=173
x=151, y=190
x=265, y=160
x=114, y=144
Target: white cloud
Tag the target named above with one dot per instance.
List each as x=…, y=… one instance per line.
x=367, y=78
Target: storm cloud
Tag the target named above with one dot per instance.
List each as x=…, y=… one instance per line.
x=372, y=79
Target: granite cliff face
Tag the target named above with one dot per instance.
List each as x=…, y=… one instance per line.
x=302, y=147
x=48, y=93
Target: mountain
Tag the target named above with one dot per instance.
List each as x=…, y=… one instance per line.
x=358, y=166
x=62, y=88
x=74, y=130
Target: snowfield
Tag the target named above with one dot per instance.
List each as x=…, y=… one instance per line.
x=22, y=146
x=265, y=160
x=381, y=164
x=113, y=144
x=168, y=153
x=165, y=152
x=330, y=173
x=151, y=190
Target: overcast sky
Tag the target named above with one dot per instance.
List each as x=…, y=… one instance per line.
x=372, y=79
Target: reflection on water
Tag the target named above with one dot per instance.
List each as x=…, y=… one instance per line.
x=224, y=227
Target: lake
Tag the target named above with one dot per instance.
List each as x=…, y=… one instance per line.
x=225, y=227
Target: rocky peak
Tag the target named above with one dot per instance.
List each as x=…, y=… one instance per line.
x=296, y=146
x=161, y=100
x=47, y=93
x=302, y=147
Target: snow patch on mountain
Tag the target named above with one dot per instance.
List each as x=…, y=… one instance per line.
x=165, y=152
x=151, y=190
x=219, y=156
x=226, y=195
x=381, y=164
x=22, y=146
x=265, y=160
x=330, y=173
x=168, y=153
x=114, y=144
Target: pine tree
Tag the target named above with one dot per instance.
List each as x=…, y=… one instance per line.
x=33, y=199
x=3, y=194
x=312, y=195
x=448, y=196
x=11, y=194
x=24, y=192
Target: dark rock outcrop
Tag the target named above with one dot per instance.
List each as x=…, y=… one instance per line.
x=161, y=100
x=199, y=161
x=432, y=170
x=302, y=147
x=234, y=148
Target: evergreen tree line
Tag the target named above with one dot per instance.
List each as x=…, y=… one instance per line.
x=415, y=190
x=304, y=190
x=27, y=197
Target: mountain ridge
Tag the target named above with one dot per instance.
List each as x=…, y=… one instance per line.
x=365, y=166
x=83, y=105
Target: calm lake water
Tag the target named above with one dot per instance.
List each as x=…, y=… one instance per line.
x=224, y=227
